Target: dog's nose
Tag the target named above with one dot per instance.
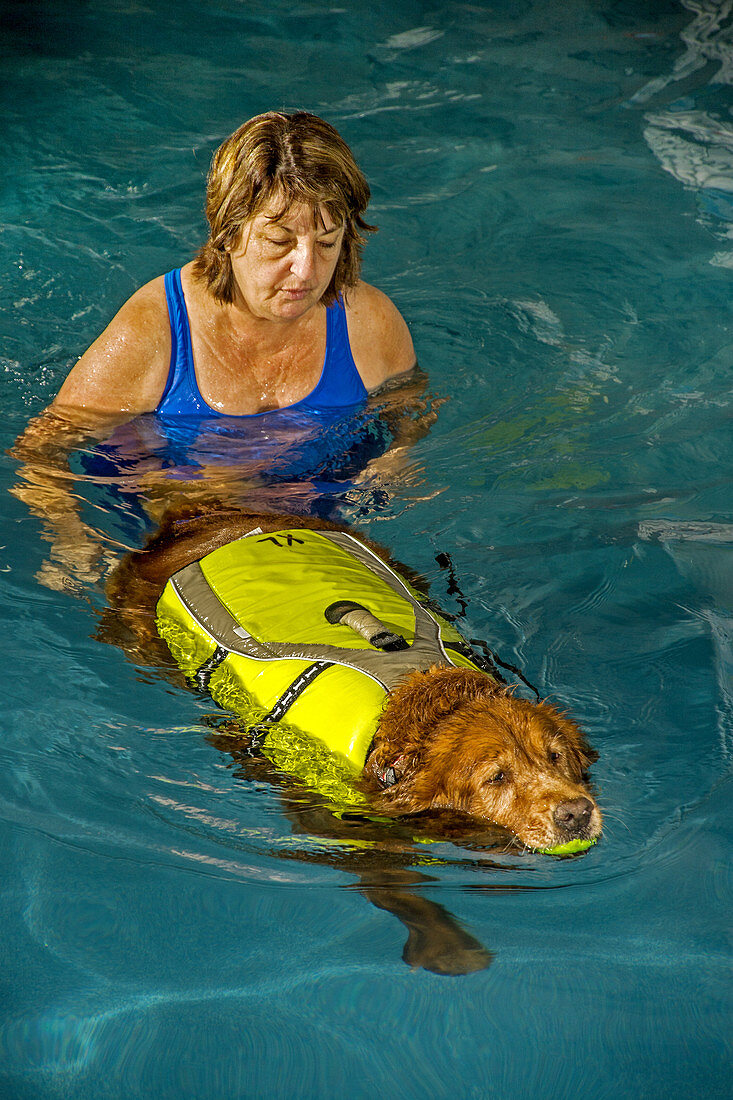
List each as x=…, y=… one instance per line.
x=573, y=816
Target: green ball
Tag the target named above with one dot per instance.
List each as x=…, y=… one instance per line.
x=568, y=849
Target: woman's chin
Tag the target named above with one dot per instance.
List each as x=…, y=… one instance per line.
x=290, y=307
x=282, y=307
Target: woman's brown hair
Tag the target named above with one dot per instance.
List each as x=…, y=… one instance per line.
x=276, y=160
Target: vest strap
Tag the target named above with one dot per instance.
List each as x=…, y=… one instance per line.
x=296, y=689
x=202, y=675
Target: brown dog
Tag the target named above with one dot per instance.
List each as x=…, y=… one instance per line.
x=449, y=739
x=465, y=744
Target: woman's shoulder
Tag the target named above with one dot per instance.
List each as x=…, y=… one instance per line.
x=147, y=306
x=126, y=368
x=380, y=339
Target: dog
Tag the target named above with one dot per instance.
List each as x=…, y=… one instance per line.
x=451, y=740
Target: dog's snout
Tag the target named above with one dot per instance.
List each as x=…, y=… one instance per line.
x=574, y=817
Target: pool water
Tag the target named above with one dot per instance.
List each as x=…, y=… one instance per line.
x=554, y=189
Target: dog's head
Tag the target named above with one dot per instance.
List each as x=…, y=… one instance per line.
x=450, y=739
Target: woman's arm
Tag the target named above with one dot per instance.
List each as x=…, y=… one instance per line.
x=380, y=340
x=122, y=375
x=409, y=413
x=126, y=368
x=46, y=485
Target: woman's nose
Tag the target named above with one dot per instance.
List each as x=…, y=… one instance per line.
x=303, y=261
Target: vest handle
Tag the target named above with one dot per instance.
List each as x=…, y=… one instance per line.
x=362, y=622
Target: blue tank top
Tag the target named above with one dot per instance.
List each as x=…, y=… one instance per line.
x=339, y=386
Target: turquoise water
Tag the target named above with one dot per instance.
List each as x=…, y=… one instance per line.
x=554, y=190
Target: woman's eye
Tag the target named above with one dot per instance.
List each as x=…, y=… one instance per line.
x=327, y=244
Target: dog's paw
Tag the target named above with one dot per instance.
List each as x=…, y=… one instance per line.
x=448, y=950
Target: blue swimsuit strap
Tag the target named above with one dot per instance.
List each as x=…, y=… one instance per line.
x=339, y=386
x=181, y=394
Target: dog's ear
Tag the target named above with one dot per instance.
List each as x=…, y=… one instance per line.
x=580, y=754
x=586, y=755
x=414, y=710
x=397, y=779
x=388, y=769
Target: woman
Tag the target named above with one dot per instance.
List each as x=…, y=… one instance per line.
x=271, y=313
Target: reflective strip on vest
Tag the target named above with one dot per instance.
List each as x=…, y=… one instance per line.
x=261, y=600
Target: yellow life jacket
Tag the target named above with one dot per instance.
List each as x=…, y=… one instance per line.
x=248, y=623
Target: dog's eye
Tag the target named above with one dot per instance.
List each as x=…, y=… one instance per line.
x=555, y=757
x=497, y=777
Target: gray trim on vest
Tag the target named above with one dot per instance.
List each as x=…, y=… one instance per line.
x=387, y=668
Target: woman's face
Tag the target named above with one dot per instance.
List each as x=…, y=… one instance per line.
x=283, y=265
